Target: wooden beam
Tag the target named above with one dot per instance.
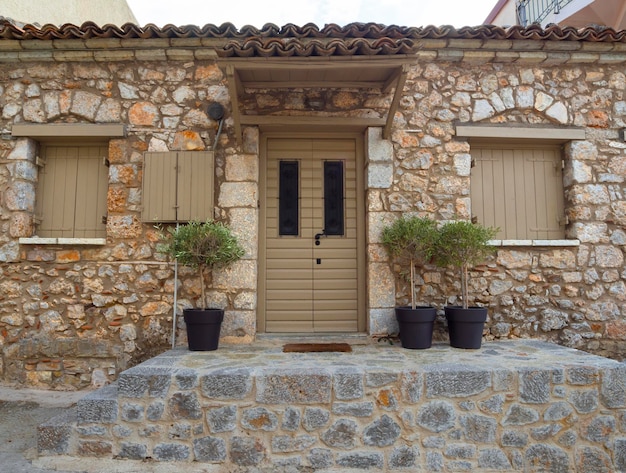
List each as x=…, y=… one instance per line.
x=319, y=84
x=396, y=100
x=60, y=130
x=389, y=83
x=320, y=63
x=233, y=88
x=261, y=120
x=520, y=132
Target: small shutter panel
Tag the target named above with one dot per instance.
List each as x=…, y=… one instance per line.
x=72, y=192
x=178, y=186
x=195, y=185
x=519, y=190
x=92, y=180
x=159, y=187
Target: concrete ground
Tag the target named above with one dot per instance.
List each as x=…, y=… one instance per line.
x=21, y=411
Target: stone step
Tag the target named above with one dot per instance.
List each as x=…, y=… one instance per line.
x=506, y=407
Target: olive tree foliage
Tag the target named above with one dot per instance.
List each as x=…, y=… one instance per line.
x=463, y=245
x=411, y=241
x=201, y=245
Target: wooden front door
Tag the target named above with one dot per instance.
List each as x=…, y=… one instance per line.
x=311, y=242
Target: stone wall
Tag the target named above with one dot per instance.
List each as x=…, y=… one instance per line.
x=74, y=315
x=520, y=406
x=57, y=300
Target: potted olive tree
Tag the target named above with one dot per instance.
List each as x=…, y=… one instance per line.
x=463, y=245
x=204, y=246
x=411, y=242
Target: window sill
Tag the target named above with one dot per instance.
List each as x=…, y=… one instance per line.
x=62, y=241
x=535, y=242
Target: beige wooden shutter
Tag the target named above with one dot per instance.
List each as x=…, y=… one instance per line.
x=71, y=194
x=178, y=186
x=159, y=187
x=195, y=185
x=520, y=190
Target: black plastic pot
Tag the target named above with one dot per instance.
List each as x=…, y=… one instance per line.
x=416, y=326
x=203, y=328
x=465, y=326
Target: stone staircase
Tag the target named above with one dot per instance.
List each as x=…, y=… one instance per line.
x=511, y=406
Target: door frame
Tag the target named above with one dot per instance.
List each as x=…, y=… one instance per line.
x=359, y=140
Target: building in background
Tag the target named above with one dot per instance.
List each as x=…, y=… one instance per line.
x=576, y=13
x=59, y=12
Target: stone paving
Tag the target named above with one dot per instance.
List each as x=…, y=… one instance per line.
x=522, y=405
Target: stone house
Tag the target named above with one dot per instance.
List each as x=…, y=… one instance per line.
x=109, y=131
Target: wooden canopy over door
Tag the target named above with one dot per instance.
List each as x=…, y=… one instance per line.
x=311, y=245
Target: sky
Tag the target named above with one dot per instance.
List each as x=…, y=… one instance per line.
x=281, y=12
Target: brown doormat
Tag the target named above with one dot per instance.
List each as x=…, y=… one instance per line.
x=316, y=347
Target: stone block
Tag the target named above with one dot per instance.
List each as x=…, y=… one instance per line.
x=315, y=418
x=132, y=451
x=247, y=451
x=613, y=387
x=520, y=415
x=599, y=429
x=361, y=460
x=378, y=149
x=382, y=432
x=375, y=380
x=186, y=379
x=222, y=419
x=379, y=176
x=132, y=412
x=259, y=418
x=94, y=448
x=403, y=458
x=619, y=454
x=342, y=434
x=493, y=459
x=184, y=405
x=436, y=416
x=593, y=459
x=348, y=385
x=320, y=458
x=584, y=402
x=171, y=452
x=305, y=386
x=535, y=385
x=289, y=444
x=455, y=381
x=144, y=381
x=154, y=412
x=514, y=438
x=460, y=451
x=291, y=419
x=53, y=436
x=209, y=449
x=227, y=384
x=547, y=458
x=557, y=411
x=477, y=428
x=412, y=386
x=434, y=461
x=355, y=409
x=98, y=407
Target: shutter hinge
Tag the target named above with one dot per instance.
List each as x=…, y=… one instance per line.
x=472, y=163
x=106, y=161
x=564, y=220
x=104, y=219
x=39, y=161
x=562, y=164
x=37, y=220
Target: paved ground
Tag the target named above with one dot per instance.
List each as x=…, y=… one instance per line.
x=21, y=411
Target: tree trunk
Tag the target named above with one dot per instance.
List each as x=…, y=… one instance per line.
x=202, y=291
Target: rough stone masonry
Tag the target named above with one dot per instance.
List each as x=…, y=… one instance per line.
x=519, y=406
x=72, y=315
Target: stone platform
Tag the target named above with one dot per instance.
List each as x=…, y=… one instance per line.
x=511, y=406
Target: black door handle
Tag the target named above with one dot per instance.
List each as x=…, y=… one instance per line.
x=318, y=236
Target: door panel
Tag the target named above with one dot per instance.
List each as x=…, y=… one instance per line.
x=309, y=287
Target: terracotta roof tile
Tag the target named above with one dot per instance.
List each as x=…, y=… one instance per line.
x=309, y=40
